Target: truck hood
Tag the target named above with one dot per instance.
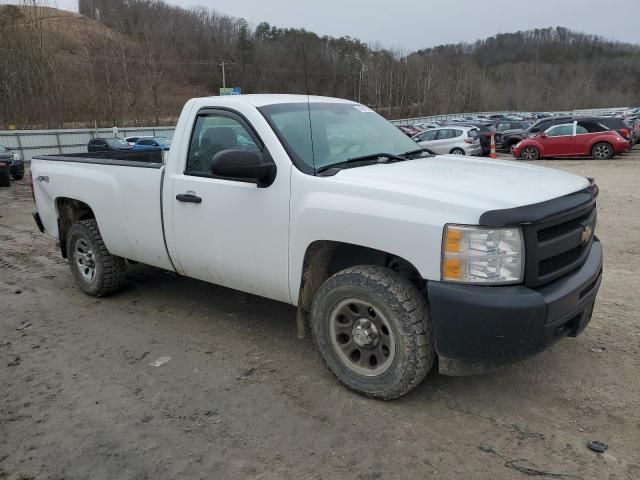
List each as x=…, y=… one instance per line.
x=464, y=184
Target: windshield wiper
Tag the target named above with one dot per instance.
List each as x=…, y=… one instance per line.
x=415, y=152
x=374, y=156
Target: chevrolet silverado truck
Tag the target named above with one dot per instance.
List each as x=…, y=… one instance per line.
x=393, y=256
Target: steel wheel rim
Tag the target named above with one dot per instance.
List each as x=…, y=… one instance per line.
x=601, y=152
x=528, y=153
x=85, y=260
x=361, y=337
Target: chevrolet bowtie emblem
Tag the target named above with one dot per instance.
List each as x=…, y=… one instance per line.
x=586, y=233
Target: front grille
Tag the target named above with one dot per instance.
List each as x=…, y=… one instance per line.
x=561, y=229
x=550, y=265
x=559, y=246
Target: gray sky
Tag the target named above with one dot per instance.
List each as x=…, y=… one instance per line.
x=414, y=24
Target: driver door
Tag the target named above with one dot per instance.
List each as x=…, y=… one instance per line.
x=426, y=139
x=560, y=140
x=228, y=231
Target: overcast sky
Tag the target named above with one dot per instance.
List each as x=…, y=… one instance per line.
x=414, y=24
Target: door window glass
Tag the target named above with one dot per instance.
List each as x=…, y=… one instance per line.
x=560, y=130
x=212, y=134
x=590, y=127
x=428, y=136
x=446, y=133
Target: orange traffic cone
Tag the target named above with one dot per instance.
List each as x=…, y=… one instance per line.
x=493, y=146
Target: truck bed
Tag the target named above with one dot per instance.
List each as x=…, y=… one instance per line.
x=123, y=190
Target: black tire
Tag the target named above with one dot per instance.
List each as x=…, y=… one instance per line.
x=457, y=151
x=529, y=153
x=405, y=311
x=108, y=270
x=18, y=177
x=602, y=151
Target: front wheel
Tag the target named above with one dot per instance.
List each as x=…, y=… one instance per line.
x=602, y=151
x=18, y=177
x=97, y=272
x=530, y=153
x=373, y=330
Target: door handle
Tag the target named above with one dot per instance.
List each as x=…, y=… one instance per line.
x=189, y=198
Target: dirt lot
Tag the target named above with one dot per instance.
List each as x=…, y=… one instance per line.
x=242, y=398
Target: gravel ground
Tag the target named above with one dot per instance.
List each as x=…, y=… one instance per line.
x=242, y=398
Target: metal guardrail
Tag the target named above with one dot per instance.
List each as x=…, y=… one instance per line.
x=30, y=143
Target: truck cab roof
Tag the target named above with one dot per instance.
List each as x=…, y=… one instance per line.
x=261, y=100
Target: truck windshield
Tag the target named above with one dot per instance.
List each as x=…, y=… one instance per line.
x=339, y=131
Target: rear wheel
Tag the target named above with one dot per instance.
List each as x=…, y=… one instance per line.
x=602, y=151
x=373, y=330
x=457, y=151
x=530, y=153
x=97, y=272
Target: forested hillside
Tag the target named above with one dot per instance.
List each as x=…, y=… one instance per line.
x=136, y=61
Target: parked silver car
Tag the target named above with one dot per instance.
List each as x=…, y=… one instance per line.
x=454, y=139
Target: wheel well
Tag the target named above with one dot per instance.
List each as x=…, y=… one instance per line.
x=325, y=258
x=70, y=212
x=602, y=141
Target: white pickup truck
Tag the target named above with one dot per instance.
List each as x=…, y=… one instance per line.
x=392, y=255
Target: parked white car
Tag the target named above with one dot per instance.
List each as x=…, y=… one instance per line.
x=454, y=139
x=393, y=256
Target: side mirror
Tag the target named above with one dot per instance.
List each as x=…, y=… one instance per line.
x=242, y=164
x=543, y=135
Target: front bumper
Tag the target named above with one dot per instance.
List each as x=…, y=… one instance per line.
x=478, y=329
x=516, y=150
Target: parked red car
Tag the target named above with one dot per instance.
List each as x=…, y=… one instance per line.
x=582, y=138
x=409, y=130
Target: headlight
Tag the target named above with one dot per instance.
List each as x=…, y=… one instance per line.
x=482, y=255
x=16, y=157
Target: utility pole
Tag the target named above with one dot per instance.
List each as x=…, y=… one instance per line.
x=224, y=79
x=360, y=83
